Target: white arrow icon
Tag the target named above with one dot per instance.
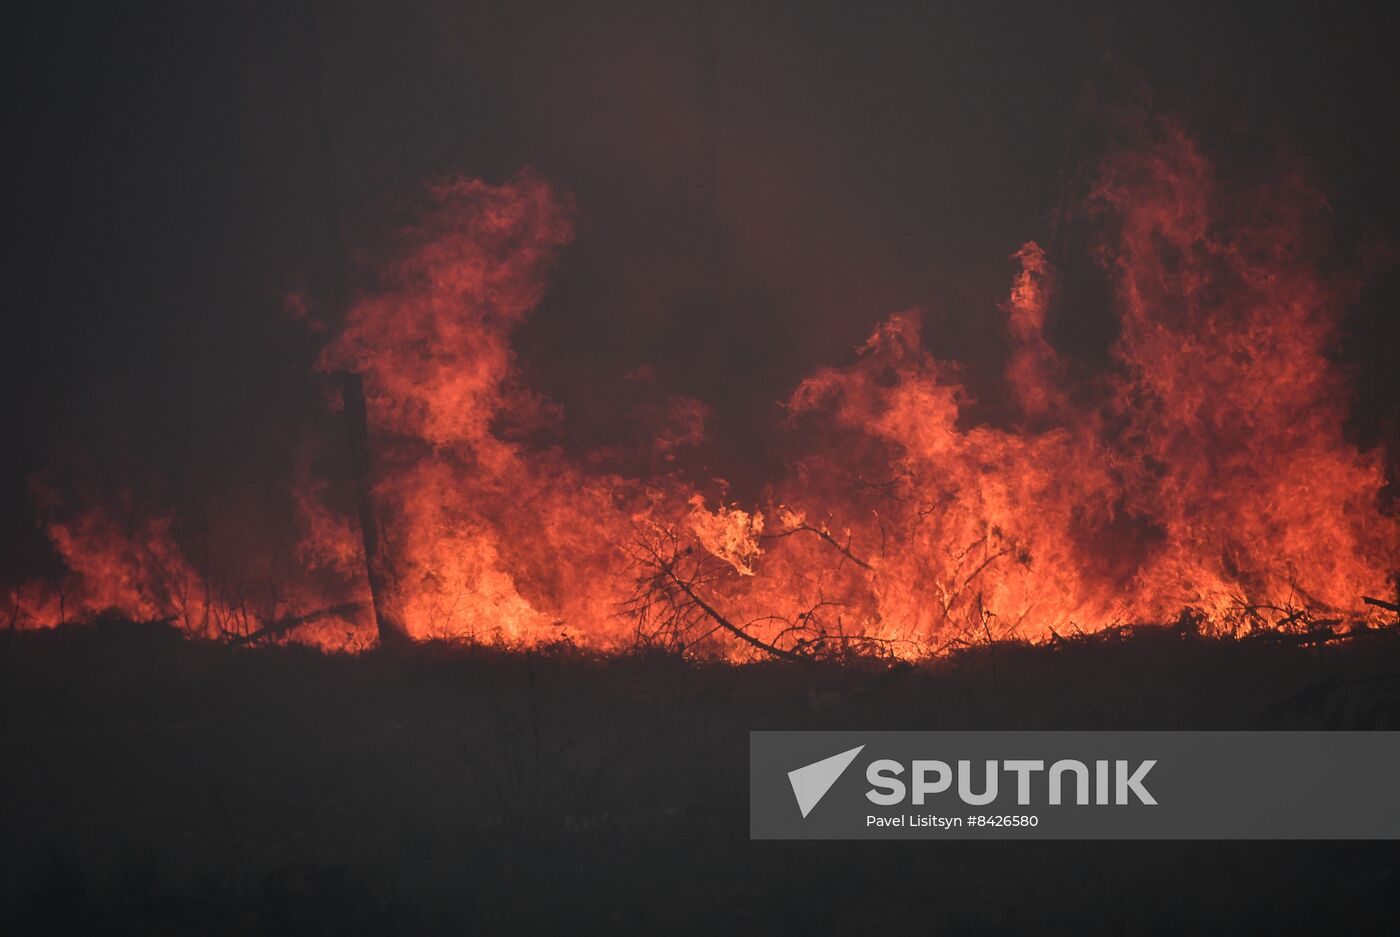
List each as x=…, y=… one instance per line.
x=811, y=782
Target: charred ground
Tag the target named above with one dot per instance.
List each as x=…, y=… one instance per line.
x=160, y=785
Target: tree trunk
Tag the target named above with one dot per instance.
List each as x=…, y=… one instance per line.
x=377, y=565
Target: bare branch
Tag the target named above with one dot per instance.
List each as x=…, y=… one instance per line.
x=723, y=622
x=843, y=550
x=288, y=622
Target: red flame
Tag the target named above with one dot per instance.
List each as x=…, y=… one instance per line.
x=1206, y=469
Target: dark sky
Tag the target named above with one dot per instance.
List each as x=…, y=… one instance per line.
x=758, y=183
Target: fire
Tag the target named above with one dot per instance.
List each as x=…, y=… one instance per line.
x=1205, y=469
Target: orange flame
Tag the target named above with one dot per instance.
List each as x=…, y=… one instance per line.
x=1206, y=470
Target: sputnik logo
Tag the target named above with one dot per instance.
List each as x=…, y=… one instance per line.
x=811, y=782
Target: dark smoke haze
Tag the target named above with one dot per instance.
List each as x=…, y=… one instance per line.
x=756, y=186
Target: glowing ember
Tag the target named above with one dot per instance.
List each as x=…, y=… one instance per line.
x=1206, y=469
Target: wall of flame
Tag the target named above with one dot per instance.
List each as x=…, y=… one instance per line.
x=1205, y=470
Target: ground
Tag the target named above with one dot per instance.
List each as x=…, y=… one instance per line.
x=151, y=784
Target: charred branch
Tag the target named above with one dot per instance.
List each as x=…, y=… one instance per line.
x=290, y=622
x=715, y=616
x=843, y=549
x=667, y=602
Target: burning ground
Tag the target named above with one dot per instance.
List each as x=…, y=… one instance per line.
x=1200, y=473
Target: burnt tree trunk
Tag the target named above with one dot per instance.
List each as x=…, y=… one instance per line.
x=377, y=563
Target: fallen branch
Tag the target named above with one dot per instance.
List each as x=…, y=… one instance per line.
x=843, y=550
x=288, y=622
x=720, y=620
x=1381, y=603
